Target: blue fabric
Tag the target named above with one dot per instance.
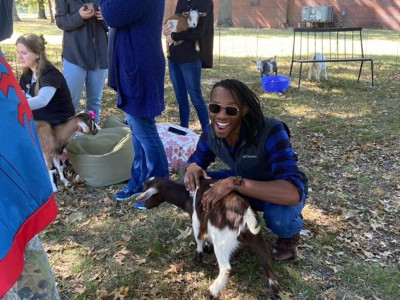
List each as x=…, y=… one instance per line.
x=186, y=78
x=137, y=62
x=150, y=158
x=24, y=180
x=77, y=77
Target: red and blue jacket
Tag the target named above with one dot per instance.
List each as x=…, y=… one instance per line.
x=27, y=203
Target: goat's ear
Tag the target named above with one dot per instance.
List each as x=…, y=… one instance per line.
x=185, y=13
x=202, y=14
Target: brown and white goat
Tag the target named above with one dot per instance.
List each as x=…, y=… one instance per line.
x=230, y=222
x=53, y=140
x=181, y=22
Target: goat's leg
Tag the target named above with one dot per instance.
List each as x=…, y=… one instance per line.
x=225, y=242
x=310, y=71
x=326, y=74
x=318, y=71
x=53, y=184
x=49, y=165
x=60, y=169
x=258, y=244
x=197, y=46
x=199, y=241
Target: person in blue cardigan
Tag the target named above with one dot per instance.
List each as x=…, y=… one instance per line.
x=136, y=73
x=27, y=203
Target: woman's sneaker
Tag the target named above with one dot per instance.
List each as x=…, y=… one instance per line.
x=125, y=194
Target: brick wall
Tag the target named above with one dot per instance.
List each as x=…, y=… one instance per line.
x=274, y=13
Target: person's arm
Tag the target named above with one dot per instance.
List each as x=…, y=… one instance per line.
x=43, y=97
x=286, y=189
x=197, y=163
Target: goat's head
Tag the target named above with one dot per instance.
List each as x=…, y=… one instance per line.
x=193, y=17
x=157, y=190
x=152, y=196
x=86, y=122
x=259, y=64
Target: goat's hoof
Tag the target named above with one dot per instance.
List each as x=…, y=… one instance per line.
x=198, y=258
x=208, y=248
x=275, y=295
x=210, y=296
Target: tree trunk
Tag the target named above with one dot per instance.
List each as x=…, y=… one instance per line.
x=51, y=13
x=16, y=18
x=225, y=13
x=42, y=13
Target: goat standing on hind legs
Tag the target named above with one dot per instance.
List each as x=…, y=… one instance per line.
x=229, y=223
x=53, y=140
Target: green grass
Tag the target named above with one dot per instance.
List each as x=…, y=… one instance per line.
x=346, y=136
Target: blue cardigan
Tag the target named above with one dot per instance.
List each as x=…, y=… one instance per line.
x=136, y=58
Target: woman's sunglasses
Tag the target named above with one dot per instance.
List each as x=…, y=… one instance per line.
x=216, y=108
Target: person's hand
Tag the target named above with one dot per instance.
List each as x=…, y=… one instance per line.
x=98, y=14
x=87, y=11
x=215, y=193
x=169, y=39
x=193, y=173
x=167, y=28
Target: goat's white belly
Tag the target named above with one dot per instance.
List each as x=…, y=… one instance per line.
x=174, y=24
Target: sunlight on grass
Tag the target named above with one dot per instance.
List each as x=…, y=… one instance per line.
x=372, y=280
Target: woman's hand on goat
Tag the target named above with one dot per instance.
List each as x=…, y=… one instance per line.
x=169, y=39
x=216, y=192
x=193, y=173
x=167, y=28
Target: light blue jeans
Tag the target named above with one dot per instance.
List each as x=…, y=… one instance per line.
x=78, y=77
x=149, y=154
x=283, y=220
x=185, y=78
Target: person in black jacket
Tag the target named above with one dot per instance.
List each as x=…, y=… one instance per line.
x=185, y=62
x=43, y=84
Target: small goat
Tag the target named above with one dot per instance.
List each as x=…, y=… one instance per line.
x=181, y=22
x=267, y=67
x=230, y=222
x=317, y=67
x=53, y=140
